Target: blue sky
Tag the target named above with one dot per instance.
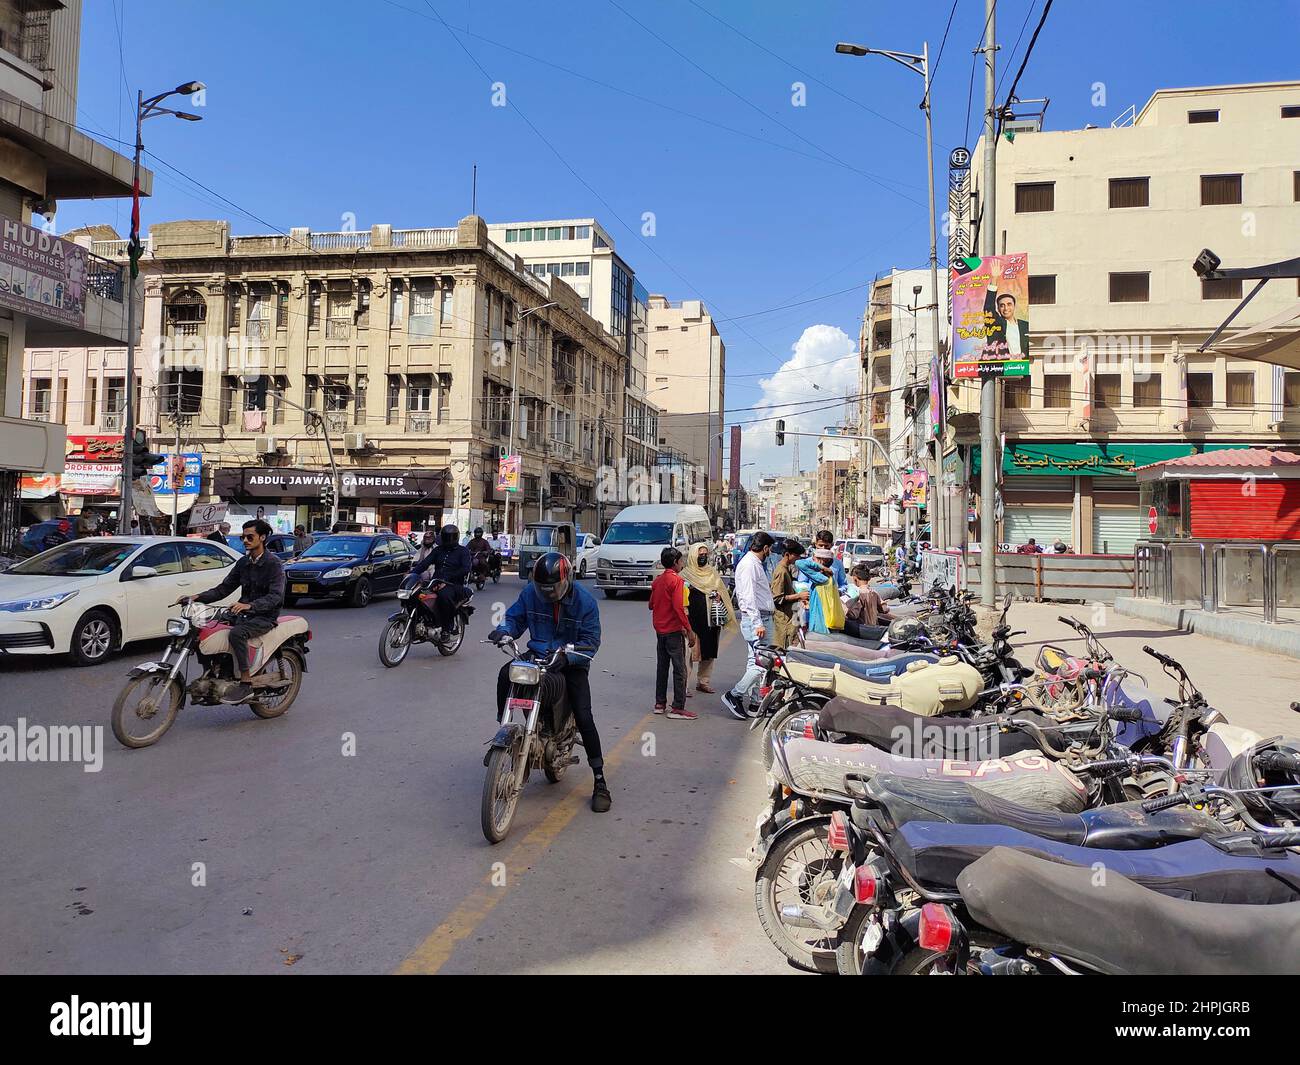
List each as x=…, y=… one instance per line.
x=617, y=108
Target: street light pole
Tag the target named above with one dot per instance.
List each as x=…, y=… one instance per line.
x=990, y=459
x=143, y=109
x=515, y=407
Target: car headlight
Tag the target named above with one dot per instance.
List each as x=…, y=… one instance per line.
x=525, y=673
x=337, y=574
x=177, y=627
x=45, y=602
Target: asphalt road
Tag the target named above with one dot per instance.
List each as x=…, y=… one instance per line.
x=241, y=845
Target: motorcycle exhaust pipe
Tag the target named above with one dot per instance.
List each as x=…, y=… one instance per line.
x=810, y=917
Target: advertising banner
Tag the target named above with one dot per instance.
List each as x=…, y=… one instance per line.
x=42, y=274
x=990, y=299
x=93, y=466
x=508, y=468
x=915, y=483
x=159, y=476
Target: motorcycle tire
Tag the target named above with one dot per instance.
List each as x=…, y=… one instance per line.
x=291, y=658
x=800, y=707
x=168, y=712
x=818, y=956
x=393, y=657
x=449, y=645
x=500, y=775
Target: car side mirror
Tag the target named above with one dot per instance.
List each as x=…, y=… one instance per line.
x=139, y=573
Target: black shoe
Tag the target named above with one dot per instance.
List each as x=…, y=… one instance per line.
x=600, y=800
x=735, y=705
x=236, y=693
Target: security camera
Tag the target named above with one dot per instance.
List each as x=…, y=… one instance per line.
x=1206, y=263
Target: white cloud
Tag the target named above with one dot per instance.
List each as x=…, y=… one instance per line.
x=823, y=368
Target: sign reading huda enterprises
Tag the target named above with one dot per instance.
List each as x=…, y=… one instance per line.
x=42, y=274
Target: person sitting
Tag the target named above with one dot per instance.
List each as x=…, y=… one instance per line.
x=1030, y=547
x=865, y=614
x=451, y=564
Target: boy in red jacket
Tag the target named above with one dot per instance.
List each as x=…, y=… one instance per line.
x=673, y=633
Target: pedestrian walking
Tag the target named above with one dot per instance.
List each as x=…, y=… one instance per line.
x=754, y=602
x=710, y=609
x=673, y=634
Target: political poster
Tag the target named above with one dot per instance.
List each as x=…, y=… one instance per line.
x=990, y=322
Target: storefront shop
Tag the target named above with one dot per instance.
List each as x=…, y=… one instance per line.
x=1085, y=495
x=292, y=496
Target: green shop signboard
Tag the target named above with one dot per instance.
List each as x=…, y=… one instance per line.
x=1090, y=460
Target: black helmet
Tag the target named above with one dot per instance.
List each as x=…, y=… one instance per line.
x=450, y=536
x=553, y=576
x=1245, y=772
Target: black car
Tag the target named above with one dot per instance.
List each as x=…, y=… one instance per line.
x=351, y=566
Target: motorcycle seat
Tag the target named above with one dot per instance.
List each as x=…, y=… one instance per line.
x=896, y=729
x=1118, y=927
x=873, y=670
x=215, y=639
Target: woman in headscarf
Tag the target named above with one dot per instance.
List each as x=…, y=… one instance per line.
x=709, y=606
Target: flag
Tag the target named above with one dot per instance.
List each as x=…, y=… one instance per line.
x=133, y=248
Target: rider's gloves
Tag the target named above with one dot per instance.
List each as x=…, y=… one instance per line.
x=561, y=661
x=498, y=635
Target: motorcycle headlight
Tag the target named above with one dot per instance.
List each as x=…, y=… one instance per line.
x=45, y=602
x=177, y=626
x=337, y=574
x=404, y=593
x=525, y=673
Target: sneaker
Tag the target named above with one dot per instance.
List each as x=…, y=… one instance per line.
x=659, y=708
x=678, y=713
x=735, y=705
x=600, y=800
x=236, y=693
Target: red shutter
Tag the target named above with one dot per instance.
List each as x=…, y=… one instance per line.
x=1245, y=510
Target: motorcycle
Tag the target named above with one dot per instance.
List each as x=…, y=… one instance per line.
x=486, y=564
x=526, y=738
x=416, y=621
x=156, y=691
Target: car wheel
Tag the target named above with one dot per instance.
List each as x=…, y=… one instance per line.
x=361, y=592
x=93, y=638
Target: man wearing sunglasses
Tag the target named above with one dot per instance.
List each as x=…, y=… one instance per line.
x=259, y=576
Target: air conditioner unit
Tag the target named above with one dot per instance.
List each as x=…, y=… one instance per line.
x=266, y=445
x=354, y=441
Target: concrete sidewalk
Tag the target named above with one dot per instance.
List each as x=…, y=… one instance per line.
x=1252, y=688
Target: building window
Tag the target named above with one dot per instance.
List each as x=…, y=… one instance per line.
x=1221, y=288
x=1291, y=391
x=1035, y=196
x=1146, y=393
x=1241, y=390
x=277, y=400
x=419, y=403
x=186, y=314
x=362, y=319
x=229, y=398
x=282, y=307
x=1106, y=390
x=424, y=295
x=338, y=310
x=444, y=398
x=1197, y=117
x=90, y=415
x=311, y=385
x=1291, y=110
x=313, y=305
x=1042, y=288
x=1015, y=394
x=1056, y=390
x=235, y=318
x=1130, y=192
x=1130, y=287
x=444, y=309
x=394, y=405
x=259, y=313
x=182, y=392
x=1200, y=390
x=1295, y=186
x=1217, y=189
x=395, y=305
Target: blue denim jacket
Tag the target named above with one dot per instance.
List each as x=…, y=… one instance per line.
x=579, y=622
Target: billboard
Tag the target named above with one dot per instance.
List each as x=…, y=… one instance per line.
x=93, y=466
x=733, y=473
x=915, y=483
x=990, y=299
x=41, y=274
x=508, y=473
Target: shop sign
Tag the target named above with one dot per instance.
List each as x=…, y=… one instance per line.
x=1090, y=460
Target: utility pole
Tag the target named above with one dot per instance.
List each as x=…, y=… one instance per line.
x=990, y=459
x=176, y=488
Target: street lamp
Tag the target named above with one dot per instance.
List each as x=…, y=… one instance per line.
x=514, y=404
x=920, y=64
x=144, y=109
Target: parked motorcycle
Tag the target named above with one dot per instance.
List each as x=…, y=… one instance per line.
x=155, y=691
x=416, y=621
x=527, y=738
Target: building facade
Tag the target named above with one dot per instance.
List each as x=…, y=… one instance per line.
x=54, y=292
x=787, y=503
x=412, y=350
x=1112, y=219
x=688, y=381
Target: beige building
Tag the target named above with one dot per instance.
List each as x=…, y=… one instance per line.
x=787, y=503
x=405, y=342
x=688, y=380
x=53, y=292
x=1112, y=219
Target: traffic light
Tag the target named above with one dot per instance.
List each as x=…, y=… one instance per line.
x=464, y=497
x=142, y=459
x=780, y=432
x=327, y=495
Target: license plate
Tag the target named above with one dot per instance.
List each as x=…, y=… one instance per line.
x=524, y=706
x=299, y=589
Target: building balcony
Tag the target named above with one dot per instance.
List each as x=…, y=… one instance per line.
x=419, y=421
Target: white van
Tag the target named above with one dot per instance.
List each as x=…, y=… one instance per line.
x=628, y=556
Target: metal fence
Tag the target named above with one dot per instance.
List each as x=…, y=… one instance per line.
x=1217, y=575
x=1046, y=577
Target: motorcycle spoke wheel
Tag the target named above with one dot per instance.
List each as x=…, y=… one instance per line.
x=287, y=668
x=145, y=709
x=395, y=642
x=500, y=794
x=450, y=643
x=801, y=870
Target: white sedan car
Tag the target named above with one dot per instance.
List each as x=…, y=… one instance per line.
x=91, y=596
x=587, y=553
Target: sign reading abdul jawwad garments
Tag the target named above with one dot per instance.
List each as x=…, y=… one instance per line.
x=42, y=274
x=274, y=482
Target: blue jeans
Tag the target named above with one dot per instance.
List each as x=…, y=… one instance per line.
x=753, y=673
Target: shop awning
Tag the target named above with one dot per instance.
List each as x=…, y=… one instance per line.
x=1275, y=340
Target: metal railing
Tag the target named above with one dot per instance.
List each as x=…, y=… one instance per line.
x=1217, y=557
x=1156, y=562
x=104, y=278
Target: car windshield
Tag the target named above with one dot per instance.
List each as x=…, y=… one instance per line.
x=81, y=558
x=639, y=532
x=337, y=547
x=539, y=536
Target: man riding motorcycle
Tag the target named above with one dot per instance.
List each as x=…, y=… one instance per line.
x=451, y=564
x=556, y=611
x=480, y=551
